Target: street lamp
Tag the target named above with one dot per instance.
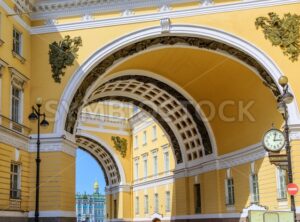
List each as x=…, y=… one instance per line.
x=36, y=115
x=286, y=98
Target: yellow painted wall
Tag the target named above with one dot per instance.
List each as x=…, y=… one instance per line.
x=56, y=190
x=7, y=156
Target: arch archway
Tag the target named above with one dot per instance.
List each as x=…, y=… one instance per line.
x=271, y=71
x=105, y=156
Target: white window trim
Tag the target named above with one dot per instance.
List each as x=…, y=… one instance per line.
x=17, y=80
x=166, y=166
x=155, y=166
x=20, y=41
x=145, y=159
x=136, y=168
x=168, y=201
x=137, y=205
x=228, y=176
x=146, y=204
x=252, y=172
x=278, y=185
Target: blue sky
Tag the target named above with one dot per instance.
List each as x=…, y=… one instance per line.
x=87, y=171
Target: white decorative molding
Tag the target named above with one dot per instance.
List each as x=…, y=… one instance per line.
x=53, y=144
x=156, y=215
x=165, y=24
x=117, y=189
x=104, y=120
x=24, y=5
x=54, y=213
x=295, y=132
x=207, y=2
x=252, y=207
x=239, y=157
x=211, y=9
x=17, y=78
x=87, y=18
x=17, y=18
x=165, y=8
x=4, y=213
x=82, y=128
x=51, y=21
x=14, y=139
x=3, y=64
x=192, y=217
x=128, y=12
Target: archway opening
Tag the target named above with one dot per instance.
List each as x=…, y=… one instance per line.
x=90, y=188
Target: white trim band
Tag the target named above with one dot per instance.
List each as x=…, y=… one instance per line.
x=54, y=213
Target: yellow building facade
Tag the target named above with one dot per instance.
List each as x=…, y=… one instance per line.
x=204, y=78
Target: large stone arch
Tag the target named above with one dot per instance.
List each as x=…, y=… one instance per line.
x=191, y=36
x=235, y=42
x=105, y=156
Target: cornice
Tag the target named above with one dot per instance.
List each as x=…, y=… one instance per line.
x=54, y=144
x=207, y=9
x=14, y=139
x=55, y=9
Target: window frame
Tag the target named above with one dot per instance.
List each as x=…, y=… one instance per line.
x=19, y=42
x=168, y=202
x=20, y=104
x=281, y=187
x=197, y=193
x=137, y=205
x=19, y=181
x=146, y=204
x=156, y=203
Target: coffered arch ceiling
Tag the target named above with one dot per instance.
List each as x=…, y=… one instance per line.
x=209, y=71
x=103, y=157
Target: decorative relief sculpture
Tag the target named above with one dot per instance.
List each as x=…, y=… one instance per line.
x=283, y=32
x=120, y=144
x=62, y=55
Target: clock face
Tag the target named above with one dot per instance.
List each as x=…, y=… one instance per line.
x=274, y=140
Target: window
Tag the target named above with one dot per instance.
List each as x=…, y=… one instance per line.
x=145, y=167
x=144, y=138
x=136, y=142
x=15, y=181
x=281, y=183
x=16, y=104
x=156, y=203
x=115, y=209
x=155, y=170
x=167, y=161
x=254, y=190
x=197, y=194
x=168, y=201
x=137, y=204
x=136, y=170
x=154, y=133
x=229, y=188
x=17, y=42
x=146, y=204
